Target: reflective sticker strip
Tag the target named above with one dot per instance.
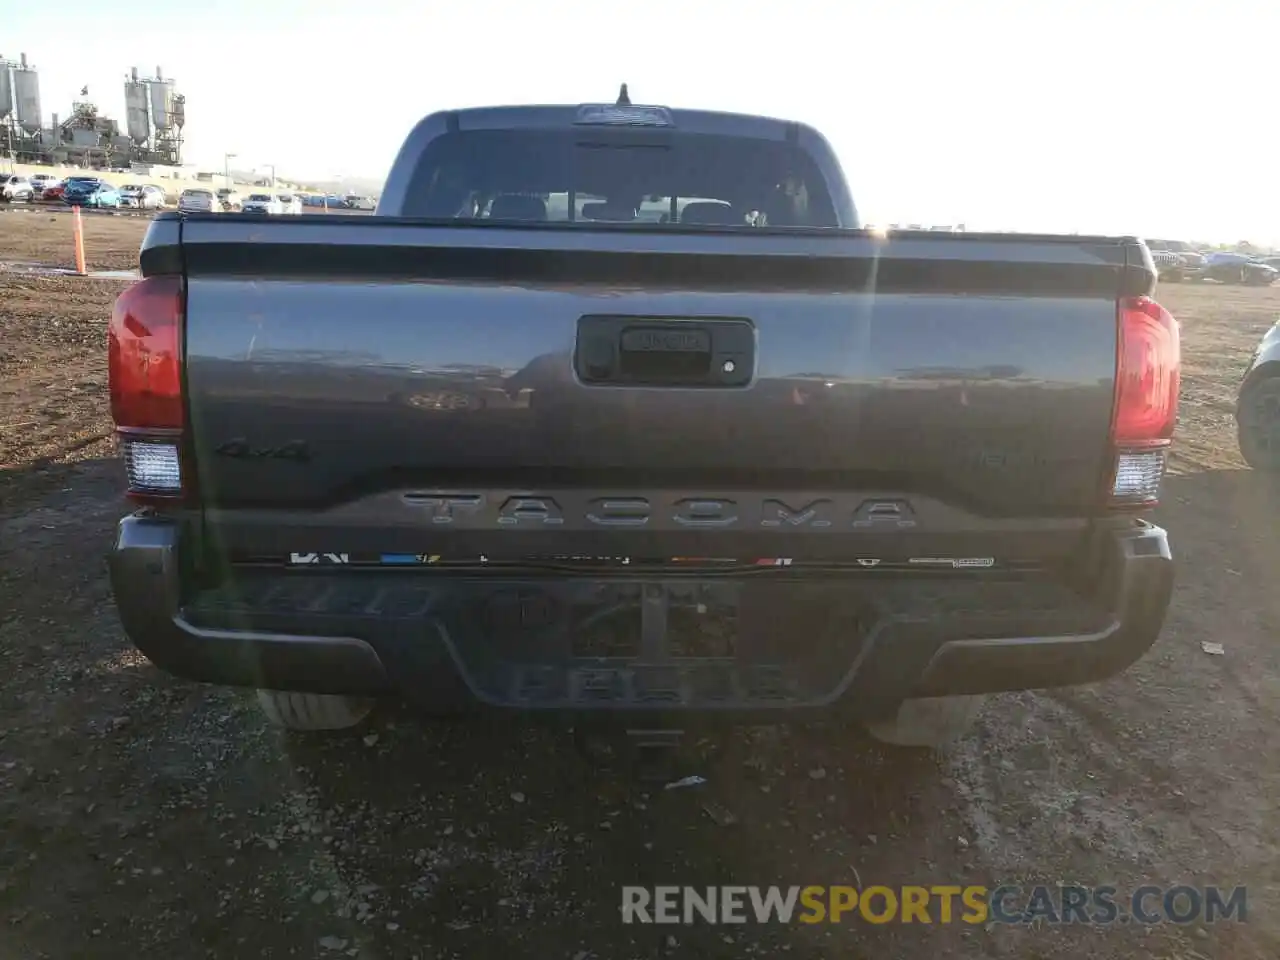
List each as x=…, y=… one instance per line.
x=954, y=562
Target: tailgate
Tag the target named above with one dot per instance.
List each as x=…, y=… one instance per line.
x=362, y=373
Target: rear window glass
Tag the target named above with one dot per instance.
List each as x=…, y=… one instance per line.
x=619, y=177
x=259, y=198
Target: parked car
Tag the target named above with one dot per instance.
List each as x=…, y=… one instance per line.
x=106, y=195
x=1176, y=260
x=53, y=192
x=1258, y=406
x=1239, y=268
x=1193, y=260
x=80, y=184
x=90, y=192
x=40, y=181
x=143, y=196
x=199, y=200
x=267, y=203
x=334, y=413
x=289, y=204
x=1168, y=264
x=14, y=189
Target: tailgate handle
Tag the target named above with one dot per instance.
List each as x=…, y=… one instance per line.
x=665, y=351
x=665, y=354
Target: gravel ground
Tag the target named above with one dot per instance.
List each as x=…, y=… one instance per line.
x=38, y=233
x=143, y=816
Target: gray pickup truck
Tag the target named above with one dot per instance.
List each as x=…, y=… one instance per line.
x=617, y=411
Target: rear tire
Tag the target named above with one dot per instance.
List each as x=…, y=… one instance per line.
x=928, y=722
x=313, y=711
x=1258, y=424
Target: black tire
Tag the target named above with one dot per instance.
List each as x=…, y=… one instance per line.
x=1258, y=423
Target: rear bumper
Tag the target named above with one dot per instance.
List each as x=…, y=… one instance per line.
x=876, y=642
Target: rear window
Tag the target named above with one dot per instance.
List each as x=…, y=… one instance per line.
x=197, y=193
x=619, y=177
x=259, y=198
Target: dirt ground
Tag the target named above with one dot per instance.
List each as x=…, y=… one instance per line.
x=34, y=233
x=144, y=816
x=30, y=233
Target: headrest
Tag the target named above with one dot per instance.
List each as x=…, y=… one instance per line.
x=514, y=206
x=718, y=214
x=608, y=211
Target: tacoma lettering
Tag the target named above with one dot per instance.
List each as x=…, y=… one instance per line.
x=815, y=514
x=565, y=509
x=444, y=507
x=705, y=513
x=619, y=512
x=530, y=510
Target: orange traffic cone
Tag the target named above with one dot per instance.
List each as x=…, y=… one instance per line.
x=77, y=226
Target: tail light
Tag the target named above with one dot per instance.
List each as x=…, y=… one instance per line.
x=144, y=368
x=1148, y=370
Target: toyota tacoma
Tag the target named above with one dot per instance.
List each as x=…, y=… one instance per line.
x=617, y=411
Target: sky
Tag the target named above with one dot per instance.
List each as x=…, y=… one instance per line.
x=1131, y=117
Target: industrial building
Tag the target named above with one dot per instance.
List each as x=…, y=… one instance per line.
x=155, y=114
x=20, y=124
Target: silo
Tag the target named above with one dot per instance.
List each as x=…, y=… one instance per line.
x=135, y=111
x=26, y=97
x=162, y=104
x=6, y=91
